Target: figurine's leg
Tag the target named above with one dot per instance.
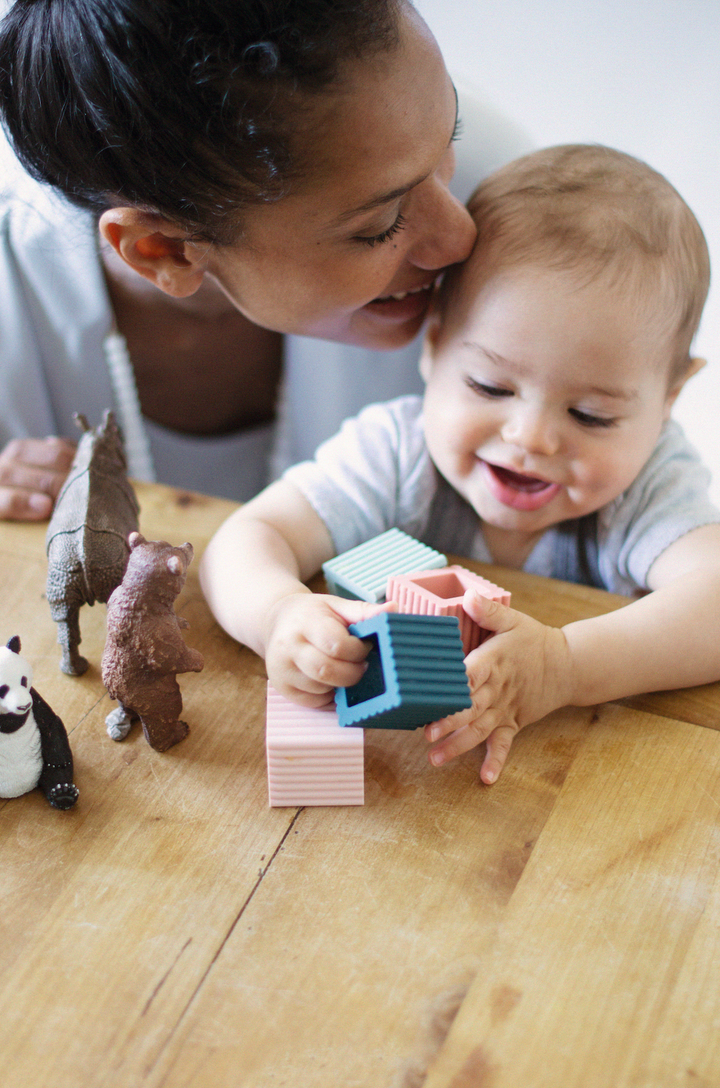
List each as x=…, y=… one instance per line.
x=68, y=636
x=56, y=779
x=119, y=721
x=160, y=714
x=162, y=733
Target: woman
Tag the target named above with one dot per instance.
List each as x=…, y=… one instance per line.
x=276, y=167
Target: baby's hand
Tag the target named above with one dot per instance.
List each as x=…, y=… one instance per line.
x=32, y=471
x=309, y=651
x=516, y=677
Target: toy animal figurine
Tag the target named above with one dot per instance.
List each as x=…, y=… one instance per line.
x=87, y=535
x=144, y=648
x=34, y=748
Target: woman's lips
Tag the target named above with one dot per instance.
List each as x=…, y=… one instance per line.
x=403, y=305
x=516, y=490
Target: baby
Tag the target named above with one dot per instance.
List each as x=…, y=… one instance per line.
x=543, y=442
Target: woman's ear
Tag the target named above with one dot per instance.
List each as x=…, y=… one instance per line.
x=695, y=365
x=156, y=249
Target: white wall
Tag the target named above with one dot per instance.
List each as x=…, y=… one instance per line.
x=639, y=75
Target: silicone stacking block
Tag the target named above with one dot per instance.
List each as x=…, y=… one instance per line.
x=415, y=673
x=311, y=760
x=440, y=593
x=362, y=572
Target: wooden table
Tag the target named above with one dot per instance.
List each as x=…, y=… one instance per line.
x=172, y=930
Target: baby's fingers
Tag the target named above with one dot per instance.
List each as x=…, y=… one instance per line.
x=498, y=745
x=327, y=670
x=305, y=698
x=471, y=729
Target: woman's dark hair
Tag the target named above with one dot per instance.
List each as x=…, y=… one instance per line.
x=182, y=107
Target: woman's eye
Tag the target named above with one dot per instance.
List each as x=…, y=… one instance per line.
x=487, y=390
x=384, y=236
x=589, y=420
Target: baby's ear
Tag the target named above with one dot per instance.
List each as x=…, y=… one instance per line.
x=695, y=364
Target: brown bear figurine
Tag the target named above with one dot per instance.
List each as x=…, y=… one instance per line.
x=144, y=648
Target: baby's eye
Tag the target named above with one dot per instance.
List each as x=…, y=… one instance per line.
x=487, y=390
x=587, y=419
x=385, y=235
x=4, y=689
x=24, y=681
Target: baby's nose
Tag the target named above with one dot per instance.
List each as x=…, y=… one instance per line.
x=533, y=431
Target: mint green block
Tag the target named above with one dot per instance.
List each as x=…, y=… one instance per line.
x=362, y=572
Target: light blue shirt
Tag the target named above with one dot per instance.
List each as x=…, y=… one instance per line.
x=376, y=474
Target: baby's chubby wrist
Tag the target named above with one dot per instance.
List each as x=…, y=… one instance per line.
x=274, y=612
x=563, y=669
x=577, y=663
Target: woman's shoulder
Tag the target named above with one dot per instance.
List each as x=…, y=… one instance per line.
x=33, y=212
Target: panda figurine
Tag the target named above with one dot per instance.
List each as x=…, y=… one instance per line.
x=34, y=747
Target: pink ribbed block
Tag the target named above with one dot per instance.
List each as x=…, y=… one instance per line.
x=440, y=593
x=311, y=760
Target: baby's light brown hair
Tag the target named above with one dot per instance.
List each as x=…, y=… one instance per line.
x=600, y=213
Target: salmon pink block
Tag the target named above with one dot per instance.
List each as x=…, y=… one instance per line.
x=440, y=593
x=311, y=759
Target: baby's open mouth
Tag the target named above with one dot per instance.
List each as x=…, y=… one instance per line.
x=518, y=481
x=516, y=490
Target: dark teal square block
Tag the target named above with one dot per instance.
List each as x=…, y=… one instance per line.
x=415, y=675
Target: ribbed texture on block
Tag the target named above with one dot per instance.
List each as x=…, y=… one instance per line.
x=416, y=673
x=363, y=571
x=440, y=593
x=311, y=759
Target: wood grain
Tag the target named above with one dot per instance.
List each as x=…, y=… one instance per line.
x=600, y=973
x=172, y=930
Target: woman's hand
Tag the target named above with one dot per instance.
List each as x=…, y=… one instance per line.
x=309, y=649
x=516, y=677
x=32, y=471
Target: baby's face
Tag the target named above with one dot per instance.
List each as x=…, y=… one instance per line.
x=544, y=399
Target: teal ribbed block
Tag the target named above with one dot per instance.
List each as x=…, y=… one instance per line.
x=415, y=675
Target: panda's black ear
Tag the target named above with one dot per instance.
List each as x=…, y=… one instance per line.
x=14, y=644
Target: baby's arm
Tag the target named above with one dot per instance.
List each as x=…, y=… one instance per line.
x=667, y=639
x=252, y=574
x=32, y=471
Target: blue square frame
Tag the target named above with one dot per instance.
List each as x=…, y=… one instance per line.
x=416, y=673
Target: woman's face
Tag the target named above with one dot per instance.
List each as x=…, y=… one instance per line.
x=351, y=254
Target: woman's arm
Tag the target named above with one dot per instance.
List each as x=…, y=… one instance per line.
x=32, y=471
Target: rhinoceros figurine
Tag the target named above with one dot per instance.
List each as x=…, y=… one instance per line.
x=87, y=547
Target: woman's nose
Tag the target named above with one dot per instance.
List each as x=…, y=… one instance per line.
x=532, y=430
x=449, y=231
